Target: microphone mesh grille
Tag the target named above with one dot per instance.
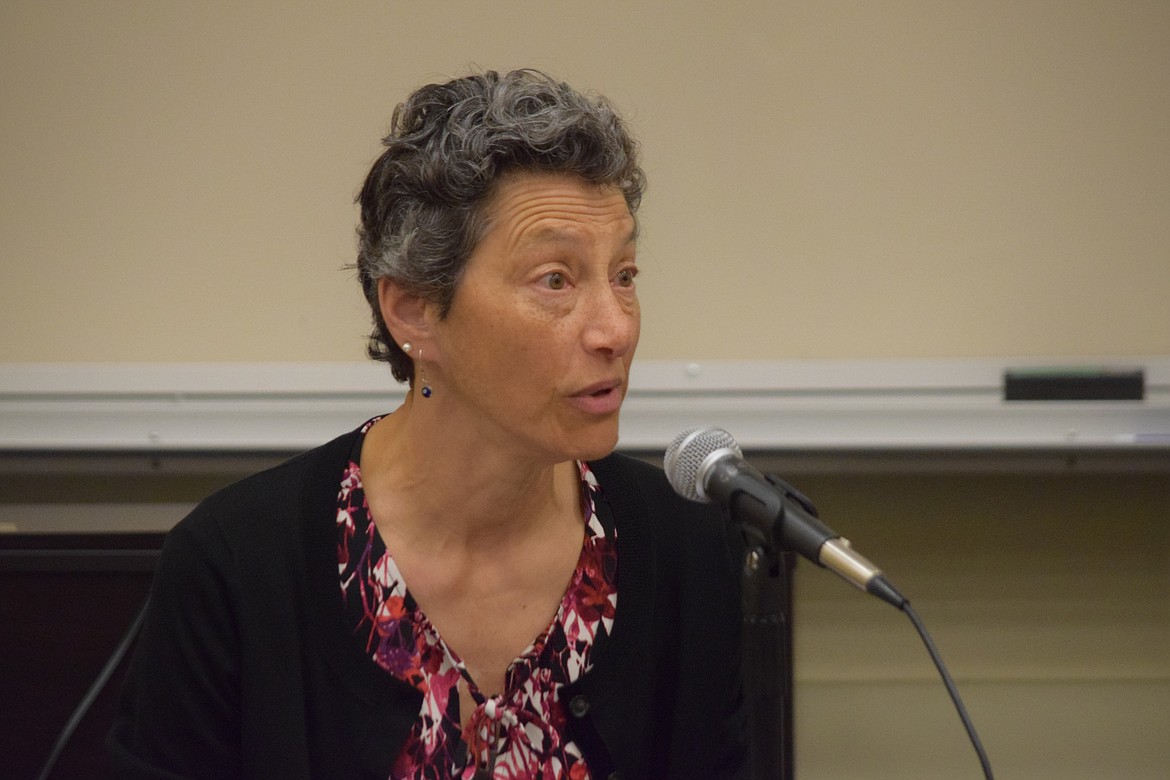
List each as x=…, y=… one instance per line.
x=686, y=454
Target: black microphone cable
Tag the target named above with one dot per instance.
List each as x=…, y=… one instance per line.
x=952, y=689
x=94, y=691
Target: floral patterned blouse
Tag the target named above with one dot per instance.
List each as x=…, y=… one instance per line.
x=520, y=733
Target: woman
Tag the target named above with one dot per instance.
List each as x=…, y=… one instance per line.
x=471, y=586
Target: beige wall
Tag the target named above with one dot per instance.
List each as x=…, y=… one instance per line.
x=845, y=179
x=828, y=179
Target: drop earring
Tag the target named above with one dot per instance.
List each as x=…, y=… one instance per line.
x=426, y=386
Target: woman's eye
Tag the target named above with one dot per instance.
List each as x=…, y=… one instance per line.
x=555, y=281
x=625, y=277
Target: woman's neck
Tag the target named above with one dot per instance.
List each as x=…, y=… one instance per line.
x=446, y=485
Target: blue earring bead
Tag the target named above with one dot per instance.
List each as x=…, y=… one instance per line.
x=426, y=386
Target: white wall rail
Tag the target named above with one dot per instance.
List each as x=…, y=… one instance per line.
x=867, y=406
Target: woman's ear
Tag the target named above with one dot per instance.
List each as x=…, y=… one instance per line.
x=405, y=314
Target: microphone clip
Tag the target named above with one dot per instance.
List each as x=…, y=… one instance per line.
x=764, y=541
x=793, y=494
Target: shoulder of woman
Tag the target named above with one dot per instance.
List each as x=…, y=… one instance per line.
x=258, y=508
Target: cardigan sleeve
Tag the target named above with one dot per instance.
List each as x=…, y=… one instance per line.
x=244, y=667
x=179, y=715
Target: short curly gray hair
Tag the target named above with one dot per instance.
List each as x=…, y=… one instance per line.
x=424, y=202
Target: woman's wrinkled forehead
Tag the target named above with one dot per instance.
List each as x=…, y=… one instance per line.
x=501, y=203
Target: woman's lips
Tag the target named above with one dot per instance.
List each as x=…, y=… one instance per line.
x=601, y=398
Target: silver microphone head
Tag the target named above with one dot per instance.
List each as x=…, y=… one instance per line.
x=688, y=456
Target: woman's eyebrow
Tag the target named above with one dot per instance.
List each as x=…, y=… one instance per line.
x=555, y=234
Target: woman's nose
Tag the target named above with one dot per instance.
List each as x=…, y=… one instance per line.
x=612, y=322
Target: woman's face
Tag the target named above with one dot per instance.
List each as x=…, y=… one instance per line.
x=537, y=344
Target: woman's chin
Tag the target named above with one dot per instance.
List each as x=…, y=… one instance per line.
x=596, y=443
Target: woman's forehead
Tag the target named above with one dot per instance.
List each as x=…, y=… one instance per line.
x=550, y=209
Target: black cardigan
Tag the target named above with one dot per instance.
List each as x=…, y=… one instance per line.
x=246, y=667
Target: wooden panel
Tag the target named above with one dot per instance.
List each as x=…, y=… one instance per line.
x=1049, y=598
x=1061, y=730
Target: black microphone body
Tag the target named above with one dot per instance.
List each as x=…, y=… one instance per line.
x=706, y=464
x=772, y=520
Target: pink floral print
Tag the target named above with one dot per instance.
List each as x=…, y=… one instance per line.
x=518, y=734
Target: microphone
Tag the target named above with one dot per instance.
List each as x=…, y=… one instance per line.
x=705, y=464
